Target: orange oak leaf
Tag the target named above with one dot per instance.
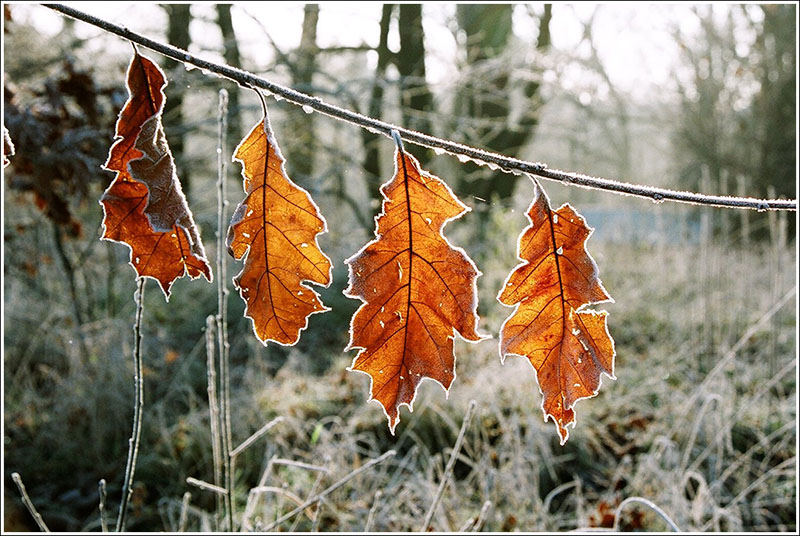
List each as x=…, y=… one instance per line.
x=275, y=229
x=569, y=346
x=144, y=207
x=8, y=147
x=417, y=289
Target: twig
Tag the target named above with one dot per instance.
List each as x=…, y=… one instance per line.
x=281, y=491
x=449, y=468
x=502, y=162
x=371, y=516
x=738, y=345
x=650, y=504
x=312, y=491
x=317, y=517
x=252, y=497
x=133, y=443
x=202, y=484
x=69, y=273
x=213, y=410
x=474, y=525
x=101, y=491
x=253, y=438
x=184, y=512
x=222, y=315
x=329, y=489
x=482, y=516
x=28, y=503
x=301, y=465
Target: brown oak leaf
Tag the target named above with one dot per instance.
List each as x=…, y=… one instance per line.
x=569, y=346
x=275, y=229
x=417, y=289
x=8, y=147
x=144, y=207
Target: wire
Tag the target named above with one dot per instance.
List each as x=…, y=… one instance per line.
x=439, y=145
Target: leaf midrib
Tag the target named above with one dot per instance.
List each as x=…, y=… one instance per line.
x=410, y=256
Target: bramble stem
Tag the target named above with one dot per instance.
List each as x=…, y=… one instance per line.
x=133, y=442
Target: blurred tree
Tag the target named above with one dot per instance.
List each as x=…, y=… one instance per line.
x=416, y=101
x=737, y=119
x=301, y=148
x=230, y=51
x=774, y=106
x=616, y=120
x=484, y=97
x=179, y=17
x=372, y=163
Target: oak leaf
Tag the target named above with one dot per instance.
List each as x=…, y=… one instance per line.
x=568, y=345
x=144, y=207
x=8, y=147
x=275, y=230
x=417, y=289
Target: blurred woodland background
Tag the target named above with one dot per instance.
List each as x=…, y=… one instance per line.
x=702, y=417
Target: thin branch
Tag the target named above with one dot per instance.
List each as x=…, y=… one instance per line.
x=222, y=316
x=28, y=503
x=69, y=273
x=484, y=513
x=256, y=435
x=202, y=484
x=300, y=465
x=328, y=490
x=252, y=497
x=184, y=511
x=285, y=492
x=213, y=410
x=371, y=516
x=315, y=519
x=451, y=462
x=136, y=434
x=101, y=490
x=338, y=49
x=479, y=156
x=474, y=525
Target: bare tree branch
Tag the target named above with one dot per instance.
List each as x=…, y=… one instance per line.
x=464, y=152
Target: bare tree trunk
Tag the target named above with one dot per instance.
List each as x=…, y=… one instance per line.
x=372, y=162
x=179, y=17
x=416, y=99
x=302, y=148
x=487, y=29
x=230, y=51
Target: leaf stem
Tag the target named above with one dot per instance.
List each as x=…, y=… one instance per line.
x=133, y=442
x=504, y=163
